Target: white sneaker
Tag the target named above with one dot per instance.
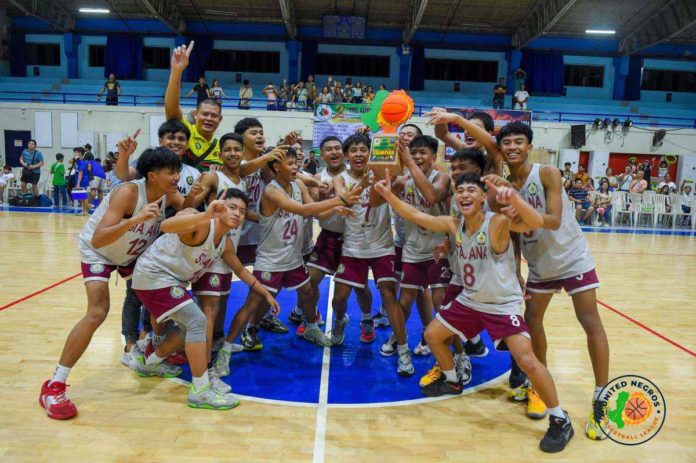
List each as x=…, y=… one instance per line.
x=222, y=364
x=218, y=384
x=463, y=367
x=128, y=357
x=211, y=399
x=422, y=349
x=389, y=347
x=405, y=366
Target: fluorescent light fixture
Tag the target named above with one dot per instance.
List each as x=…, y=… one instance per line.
x=94, y=10
x=600, y=31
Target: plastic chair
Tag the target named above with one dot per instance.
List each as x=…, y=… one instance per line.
x=681, y=218
x=659, y=213
x=620, y=210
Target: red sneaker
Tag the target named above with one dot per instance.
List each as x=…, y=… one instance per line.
x=178, y=358
x=54, y=401
x=300, y=329
x=367, y=331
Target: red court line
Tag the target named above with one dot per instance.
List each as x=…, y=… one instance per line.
x=647, y=328
x=29, y=296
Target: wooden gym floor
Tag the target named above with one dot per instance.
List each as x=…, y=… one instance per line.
x=647, y=278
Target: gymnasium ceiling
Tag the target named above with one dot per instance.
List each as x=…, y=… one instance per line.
x=672, y=21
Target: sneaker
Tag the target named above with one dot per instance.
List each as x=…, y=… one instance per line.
x=300, y=329
x=295, y=318
x=338, y=333
x=367, y=331
x=381, y=320
x=274, y=325
x=221, y=365
x=598, y=416
x=536, y=408
x=316, y=336
x=320, y=321
x=558, y=435
x=519, y=394
x=441, y=387
x=389, y=347
x=517, y=377
x=177, y=358
x=250, y=339
x=54, y=401
x=217, y=384
x=463, y=367
x=405, y=366
x=127, y=356
x=162, y=369
x=142, y=343
x=218, y=343
x=431, y=376
x=422, y=348
x=211, y=399
x=478, y=349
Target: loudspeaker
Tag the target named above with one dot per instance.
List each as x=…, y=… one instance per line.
x=577, y=136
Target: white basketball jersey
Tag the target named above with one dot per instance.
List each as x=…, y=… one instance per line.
x=280, y=237
x=335, y=223
x=254, y=188
x=224, y=183
x=553, y=254
x=368, y=231
x=421, y=242
x=187, y=176
x=490, y=279
x=129, y=245
x=169, y=262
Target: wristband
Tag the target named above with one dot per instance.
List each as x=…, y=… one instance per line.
x=342, y=200
x=253, y=284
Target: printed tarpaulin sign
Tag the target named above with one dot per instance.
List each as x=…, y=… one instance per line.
x=340, y=120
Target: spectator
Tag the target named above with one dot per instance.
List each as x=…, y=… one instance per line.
x=663, y=189
x=521, y=97
x=88, y=150
x=283, y=96
x=112, y=181
x=246, y=93
x=97, y=178
x=271, y=92
x=337, y=92
x=216, y=92
x=58, y=182
x=639, y=184
x=582, y=175
x=369, y=95
x=382, y=87
x=6, y=176
x=348, y=93
x=579, y=196
x=589, y=186
x=613, y=181
x=358, y=92
x=325, y=97
x=499, y=94
x=311, y=97
x=603, y=203
x=633, y=165
x=625, y=179
x=662, y=170
x=310, y=164
x=31, y=160
x=667, y=182
x=201, y=90
x=310, y=85
x=686, y=198
x=567, y=175
x=646, y=167
x=81, y=176
x=112, y=89
x=71, y=176
x=301, y=95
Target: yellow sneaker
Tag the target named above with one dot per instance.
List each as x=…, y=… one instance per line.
x=536, y=408
x=519, y=394
x=593, y=429
x=431, y=376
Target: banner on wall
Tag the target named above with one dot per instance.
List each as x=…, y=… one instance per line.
x=501, y=117
x=340, y=120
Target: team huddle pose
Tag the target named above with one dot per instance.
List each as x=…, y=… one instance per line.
x=461, y=230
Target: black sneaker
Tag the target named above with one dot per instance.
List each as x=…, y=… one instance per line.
x=441, y=387
x=558, y=435
x=517, y=377
x=250, y=339
x=381, y=320
x=295, y=318
x=476, y=350
x=274, y=325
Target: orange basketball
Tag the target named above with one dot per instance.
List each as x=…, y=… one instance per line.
x=395, y=107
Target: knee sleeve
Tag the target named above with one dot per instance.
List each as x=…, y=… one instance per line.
x=191, y=319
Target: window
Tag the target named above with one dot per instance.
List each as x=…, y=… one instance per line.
x=42, y=54
x=352, y=65
x=669, y=81
x=463, y=70
x=96, y=56
x=580, y=75
x=244, y=61
x=156, y=57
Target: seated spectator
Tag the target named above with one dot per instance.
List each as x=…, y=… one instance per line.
x=662, y=170
x=499, y=91
x=310, y=85
x=337, y=92
x=369, y=95
x=589, y=186
x=613, y=181
x=624, y=180
x=579, y=196
x=246, y=93
x=358, y=92
x=382, y=87
x=348, y=93
x=216, y=92
x=5, y=178
x=271, y=92
x=602, y=203
x=638, y=184
x=632, y=163
x=646, y=167
x=686, y=198
x=520, y=98
x=567, y=176
x=667, y=182
x=582, y=175
x=663, y=189
x=325, y=97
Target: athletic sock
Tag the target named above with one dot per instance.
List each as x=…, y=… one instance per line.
x=476, y=339
x=450, y=375
x=366, y=317
x=60, y=375
x=227, y=347
x=597, y=390
x=199, y=382
x=401, y=348
x=557, y=411
x=154, y=359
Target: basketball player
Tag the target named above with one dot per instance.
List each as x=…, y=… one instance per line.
x=491, y=296
x=191, y=243
x=367, y=244
x=121, y=228
x=284, y=204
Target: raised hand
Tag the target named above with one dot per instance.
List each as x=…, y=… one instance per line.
x=148, y=212
x=342, y=210
x=216, y=209
x=180, y=57
x=438, y=117
x=196, y=188
x=352, y=196
x=496, y=180
x=127, y=146
x=292, y=137
x=503, y=195
x=402, y=151
x=383, y=187
x=278, y=153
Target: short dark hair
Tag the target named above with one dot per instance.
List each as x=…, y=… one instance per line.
x=484, y=117
x=356, y=139
x=472, y=155
x=88, y=157
x=88, y=147
x=515, y=128
x=173, y=126
x=79, y=149
x=245, y=82
x=290, y=152
x=567, y=164
x=231, y=136
x=31, y=140
x=6, y=167
x=328, y=139
x=418, y=129
x=59, y=156
x=208, y=101
x=470, y=178
x=157, y=158
x=245, y=124
x=426, y=141
x=230, y=193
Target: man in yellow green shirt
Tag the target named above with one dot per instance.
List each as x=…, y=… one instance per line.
x=60, y=190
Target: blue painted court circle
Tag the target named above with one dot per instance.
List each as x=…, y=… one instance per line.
x=288, y=369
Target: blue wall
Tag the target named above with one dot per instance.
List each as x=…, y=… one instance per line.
x=87, y=72
x=604, y=92
x=391, y=82
x=49, y=71
x=677, y=97
x=479, y=88
x=165, y=42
